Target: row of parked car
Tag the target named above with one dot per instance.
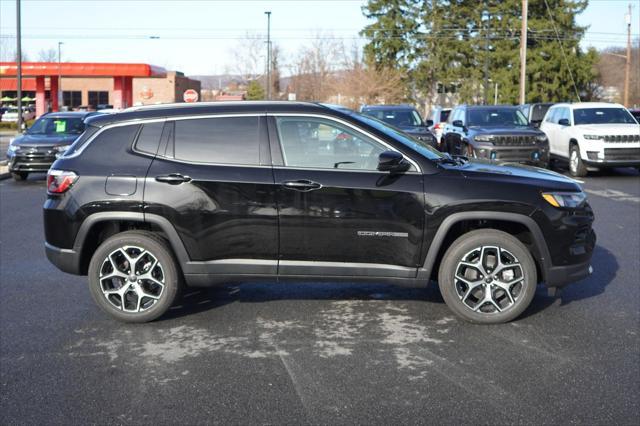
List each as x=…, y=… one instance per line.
x=588, y=135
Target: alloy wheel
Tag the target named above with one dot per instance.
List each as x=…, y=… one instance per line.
x=573, y=161
x=132, y=279
x=489, y=279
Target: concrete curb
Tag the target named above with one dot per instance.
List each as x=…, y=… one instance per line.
x=4, y=170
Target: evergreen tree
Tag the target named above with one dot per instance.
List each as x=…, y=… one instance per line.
x=466, y=43
x=255, y=91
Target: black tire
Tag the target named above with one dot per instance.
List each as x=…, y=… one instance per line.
x=576, y=166
x=166, y=267
x=521, y=293
x=19, y=176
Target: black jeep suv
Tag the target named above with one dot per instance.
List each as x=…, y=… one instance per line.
x=499, y=133
x=203, y=194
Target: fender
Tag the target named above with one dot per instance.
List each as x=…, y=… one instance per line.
x=161, y=222
x=424, y=273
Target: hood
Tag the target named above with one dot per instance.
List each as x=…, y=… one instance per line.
x=520, y=131
x=421, y=130
x=517, y=173
x=610, y=129
x=27, y=140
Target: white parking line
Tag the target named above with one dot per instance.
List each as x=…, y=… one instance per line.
x=613, y=195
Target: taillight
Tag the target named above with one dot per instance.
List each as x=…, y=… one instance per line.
x=437, y=126
x=59, y=181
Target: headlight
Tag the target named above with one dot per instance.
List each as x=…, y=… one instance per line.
x=13, y=148
x=565, y=199
x=593, y=137
x=483, y=138
x=541, y=138
x=60, y=150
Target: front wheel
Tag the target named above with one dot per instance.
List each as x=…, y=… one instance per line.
x=576, y=166
x=134, y=277
x=487, y=277
x=19, y=176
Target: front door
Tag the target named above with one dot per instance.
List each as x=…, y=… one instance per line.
x=338, y=215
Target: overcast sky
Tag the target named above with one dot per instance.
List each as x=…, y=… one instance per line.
x=197, y=36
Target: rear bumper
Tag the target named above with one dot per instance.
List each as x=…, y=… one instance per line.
x=66, y=260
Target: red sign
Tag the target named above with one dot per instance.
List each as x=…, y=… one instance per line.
x=190, y=95
x=146, y=93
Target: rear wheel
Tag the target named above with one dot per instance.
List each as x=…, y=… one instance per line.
x=134, y=277
x=19, y=176
x=487, y=277
x=576, y=166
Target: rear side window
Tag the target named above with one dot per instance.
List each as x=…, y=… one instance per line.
x=149, y=137
x=225, y=140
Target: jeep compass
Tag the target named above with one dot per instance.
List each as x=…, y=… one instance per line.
x=152, y=198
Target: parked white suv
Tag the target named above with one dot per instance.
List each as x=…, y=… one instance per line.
x=591, y=135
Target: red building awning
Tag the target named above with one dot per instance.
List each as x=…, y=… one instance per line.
x=80, y=69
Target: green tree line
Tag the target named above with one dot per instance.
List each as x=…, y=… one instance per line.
x=473, y=44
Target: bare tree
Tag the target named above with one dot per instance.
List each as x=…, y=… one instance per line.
x=249, y=57
x=47, y=55
x=8, y=50
x=313, y=68
x=610, y=70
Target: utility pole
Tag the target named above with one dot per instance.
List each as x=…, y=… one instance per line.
x=19, y=63
x=268, y=13
x=627, y=68
x=59, y=78
x=486, y=59
x=523, y=51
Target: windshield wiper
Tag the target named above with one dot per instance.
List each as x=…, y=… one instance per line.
x=456, y=160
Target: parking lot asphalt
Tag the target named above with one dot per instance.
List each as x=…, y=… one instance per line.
x=300, y=353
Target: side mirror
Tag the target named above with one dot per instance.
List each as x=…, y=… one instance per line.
x=392, y=161
x=457, y=123
x=429, y=123
x=563, y=122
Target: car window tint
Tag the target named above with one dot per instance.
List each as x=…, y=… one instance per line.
x=551, y=116
x=225, y=140
x=149, y=137
x=324, y=144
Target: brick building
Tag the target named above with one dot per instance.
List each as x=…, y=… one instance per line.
x=120, y=85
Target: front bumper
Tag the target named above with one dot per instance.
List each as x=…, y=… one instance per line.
x=519, y=154
x=31, y=162
x=66, y=260
x=560, y=276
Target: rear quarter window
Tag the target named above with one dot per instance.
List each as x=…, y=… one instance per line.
x=149, y=137
x=112, y=142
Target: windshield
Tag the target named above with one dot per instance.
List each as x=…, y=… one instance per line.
x=56, y=126
x=496, y=117
x=602, y=116
x=398, y=135
x=396, y=117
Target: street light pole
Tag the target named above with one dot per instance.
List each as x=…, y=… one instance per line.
x=19, y=63
x=59, y=77
x=627, y=68
x=523, y=51
x=268, y=13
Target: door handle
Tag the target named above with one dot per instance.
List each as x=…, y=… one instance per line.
x=301, y=185
x=173, y=179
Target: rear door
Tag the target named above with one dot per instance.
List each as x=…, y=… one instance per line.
x=338, y=214
x=212, y=180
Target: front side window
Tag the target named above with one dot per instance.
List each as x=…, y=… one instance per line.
x=602, y=116
x=223, y=140
x=324, y=144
